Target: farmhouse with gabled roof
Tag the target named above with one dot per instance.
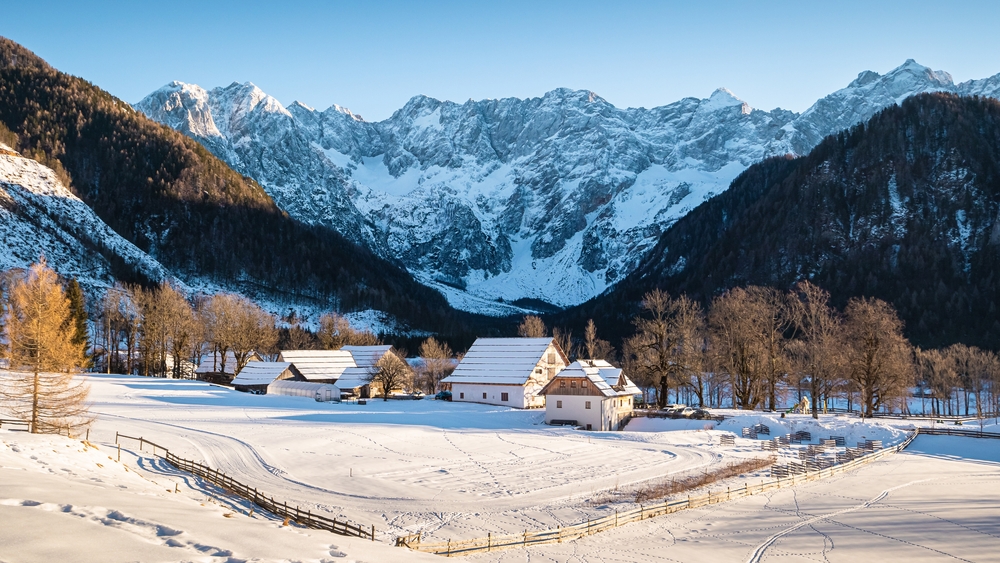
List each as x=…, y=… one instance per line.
x=590, y=393
x=506, y=371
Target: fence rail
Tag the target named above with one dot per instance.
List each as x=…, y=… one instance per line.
x=957, y=432
x=280, y=508
x=568, y=533
x=14, y=422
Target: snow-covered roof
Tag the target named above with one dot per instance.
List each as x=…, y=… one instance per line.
x=261, y=373
x=503, y=361
x=354, y=378
x=609, y=380
x=319, y=364
x=365, y=356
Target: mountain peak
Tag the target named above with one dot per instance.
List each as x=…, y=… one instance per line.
x=722, y=98
x=915, y=69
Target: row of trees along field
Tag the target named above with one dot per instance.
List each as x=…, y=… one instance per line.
x=757, y=347
x=157, y=331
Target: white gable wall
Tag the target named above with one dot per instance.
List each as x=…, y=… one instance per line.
x=604, y=413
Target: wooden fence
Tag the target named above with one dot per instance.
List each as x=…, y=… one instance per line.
x=13, y=422
x=958, y=432
x=568, y=533
x=280, y=508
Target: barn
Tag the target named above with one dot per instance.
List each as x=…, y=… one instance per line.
x=592, y=394
x=506, y=371
x=256, y=376
x=319, y=366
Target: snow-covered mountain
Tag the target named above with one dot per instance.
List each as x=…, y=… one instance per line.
x=39, y=216
x=552, y=198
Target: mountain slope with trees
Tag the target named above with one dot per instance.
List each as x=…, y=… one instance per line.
x=902, y=208
x=179, y=204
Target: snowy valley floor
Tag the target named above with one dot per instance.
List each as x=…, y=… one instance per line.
x=461, y=471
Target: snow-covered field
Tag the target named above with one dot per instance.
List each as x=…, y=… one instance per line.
x=449, y=470
x=936, y=501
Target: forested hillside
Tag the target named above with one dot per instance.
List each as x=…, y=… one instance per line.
x=903, y=208
x=174, y=200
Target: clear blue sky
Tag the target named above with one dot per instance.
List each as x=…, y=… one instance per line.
x=373, y=56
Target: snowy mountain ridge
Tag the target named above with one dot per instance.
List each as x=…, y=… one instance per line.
x=552, y=198
x=39, y=216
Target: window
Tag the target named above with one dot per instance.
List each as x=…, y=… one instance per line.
x=583, y=383
x=572, y=384
x=552, y=358
x=461, y=395
x=562, y=383
x=587, y=406
x=503, y=396
x=484, y=395
x=558, y=404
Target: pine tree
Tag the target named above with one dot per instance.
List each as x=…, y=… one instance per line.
x=78, y=316
x=38, y=327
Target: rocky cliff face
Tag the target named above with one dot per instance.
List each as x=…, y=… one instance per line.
x=552, y=198
x=41, y=217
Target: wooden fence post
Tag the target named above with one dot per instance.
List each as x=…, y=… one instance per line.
x=489, y=541
x=373, y=532
x=616, y=518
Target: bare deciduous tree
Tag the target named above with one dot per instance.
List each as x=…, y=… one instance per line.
x=389, y=373
x=818, y=352
x=335, y=332
x=438, y=363
x=532, y=327
x=667, y=347
x=39, y=330
x=564, y=338
x=879, y=358
x=595, y=348
x=735, y=333
x=238, y=325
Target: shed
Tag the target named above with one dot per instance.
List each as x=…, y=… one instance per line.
x=506, y=371
x=210, y=367
x=256, y=376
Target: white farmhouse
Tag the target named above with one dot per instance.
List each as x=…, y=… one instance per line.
x=589, y=393
x=506, y=371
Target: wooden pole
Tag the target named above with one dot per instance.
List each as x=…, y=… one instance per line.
x=119, y=452
x=373, y=532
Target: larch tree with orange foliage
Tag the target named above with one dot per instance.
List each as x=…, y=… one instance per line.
x=43, y=354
